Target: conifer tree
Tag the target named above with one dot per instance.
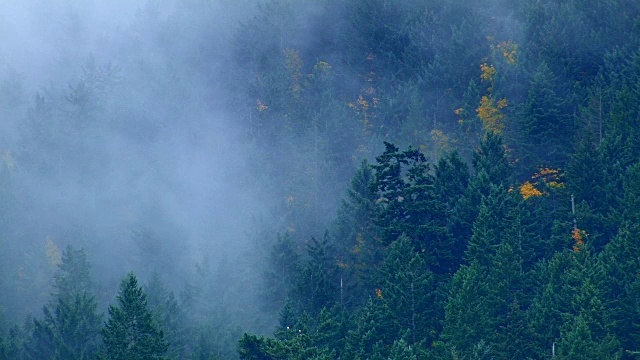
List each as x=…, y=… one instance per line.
x=356, y=237
x=316, y=285
x=71, y=323
x=546, y=123
x=408, y=289
x=281, y=273
x=168, y=315
x=131, y=333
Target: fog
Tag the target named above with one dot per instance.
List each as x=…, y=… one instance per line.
x=116, y=141
x=181, y=136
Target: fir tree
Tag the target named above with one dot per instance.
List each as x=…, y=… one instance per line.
x=131, y=333
x=71, y=323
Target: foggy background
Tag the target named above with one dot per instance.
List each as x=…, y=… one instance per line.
x=116, y=139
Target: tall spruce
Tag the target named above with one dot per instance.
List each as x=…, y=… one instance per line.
x=70, y=328
x=131, y=332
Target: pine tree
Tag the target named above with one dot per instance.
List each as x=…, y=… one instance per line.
x=622, y=268
x=451, y=184
x=408, y=289
x=73, y=276
x=356, y=238
x=578, y=343
x=409, y=205
x=71, y=323
x=131, y=333
x=168, y=315
x=316, y=286
x=283, y=267
x=546, y=123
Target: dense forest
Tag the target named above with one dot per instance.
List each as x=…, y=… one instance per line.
x=320, y=179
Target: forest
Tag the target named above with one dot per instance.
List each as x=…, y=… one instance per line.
x=320, y=179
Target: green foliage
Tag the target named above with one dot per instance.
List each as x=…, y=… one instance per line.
x=408, y=290
x=72, y=276
x=316, y=287
x=71, y=325
x=408, y=204
x=131, y=332
x=168, y=315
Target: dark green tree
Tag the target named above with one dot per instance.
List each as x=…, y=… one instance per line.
x=408, y=289
x=356, y=238
x=70, y=328
x=283, y=267
x=451, y=183
x=131, y=333
x=546, y=123
x=316, y=286
x=409, y=205
x=578, y=343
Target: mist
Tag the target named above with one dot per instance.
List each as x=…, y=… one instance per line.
x=115, y=142
x=338, y=177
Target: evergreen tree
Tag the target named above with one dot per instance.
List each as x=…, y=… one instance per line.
x=356, y=237
x=578, y=343
x=408, y=204
x=168, y=315
x=408, y=289
x=281, y=272
x=451, y=184
x=71, y=325
x=316, y=286
x=546, y=124
x=73, y=275
x=130, y=332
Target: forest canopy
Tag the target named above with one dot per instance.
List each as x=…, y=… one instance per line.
x=320, y=179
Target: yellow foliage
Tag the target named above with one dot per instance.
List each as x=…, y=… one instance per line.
x=556, y=185
x=489, y=113
x=509, y=50
x=362, y=108
x=53, y=253
x=440, y=140
x=488, y=72
x=578, y=236
x=551, y=177
x=528, y=190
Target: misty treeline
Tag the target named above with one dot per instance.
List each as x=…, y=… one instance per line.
x=330, y=179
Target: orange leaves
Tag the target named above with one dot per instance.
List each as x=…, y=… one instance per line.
x=546, y=179
x=379, y=293
x=527, y=190
x=578, y=237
